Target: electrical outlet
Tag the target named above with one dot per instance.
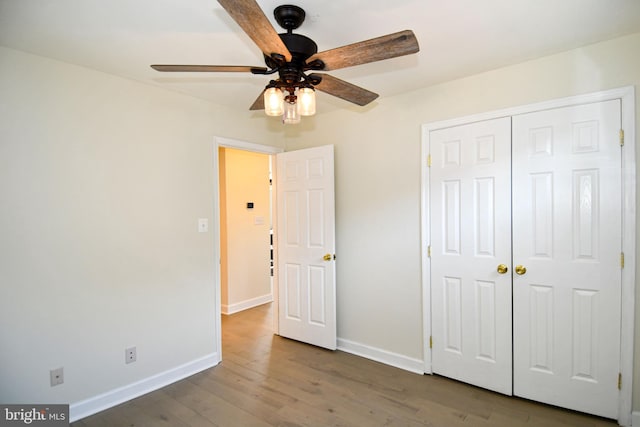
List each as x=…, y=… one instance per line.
x=130, y=355
x=56, y=376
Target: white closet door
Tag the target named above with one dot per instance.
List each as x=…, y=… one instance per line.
x=470, y=237
x=567, y=234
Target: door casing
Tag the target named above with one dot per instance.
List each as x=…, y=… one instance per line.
x=627, y=97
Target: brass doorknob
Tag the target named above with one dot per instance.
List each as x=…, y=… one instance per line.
x=520, y=269
x=502, y=269
x=327, y=257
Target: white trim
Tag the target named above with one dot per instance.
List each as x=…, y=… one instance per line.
x=85, y=408
x=275, y=289
x=247, y=146
x=246, y=304
x=629, y=231
x=241, y=145
x=382, y=356
x=217, y=260
x=619, y=93
x=424, y=244
x=627, y=96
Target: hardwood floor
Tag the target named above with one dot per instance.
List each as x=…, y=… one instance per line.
x=265, y=380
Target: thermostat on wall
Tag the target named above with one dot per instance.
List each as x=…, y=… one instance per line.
x=249, y=205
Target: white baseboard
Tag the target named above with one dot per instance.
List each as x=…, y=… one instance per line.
x=635, y=419
x=84, y=408
x=246, y=304
x=382, y=356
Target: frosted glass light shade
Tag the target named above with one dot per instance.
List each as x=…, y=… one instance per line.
x=306, y=101
x=290, y=116
x=273, y=102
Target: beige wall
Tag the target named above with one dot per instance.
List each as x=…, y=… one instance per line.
x=102, y=181
x=378, y=180
x=244, y=244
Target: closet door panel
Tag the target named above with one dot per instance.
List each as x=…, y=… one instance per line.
x=471, y=236
x=567, y=235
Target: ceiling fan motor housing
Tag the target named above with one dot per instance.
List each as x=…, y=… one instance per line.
x=301, y=49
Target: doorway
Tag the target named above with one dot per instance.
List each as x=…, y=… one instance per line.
x=251, y=215
x=304, y=221
x=245, y=229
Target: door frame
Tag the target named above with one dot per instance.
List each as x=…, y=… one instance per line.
x=627, y=97
x=223, y=142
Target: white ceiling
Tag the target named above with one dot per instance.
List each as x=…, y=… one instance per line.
x=457, y=38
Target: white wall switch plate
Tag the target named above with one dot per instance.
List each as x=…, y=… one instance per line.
x=203, y=225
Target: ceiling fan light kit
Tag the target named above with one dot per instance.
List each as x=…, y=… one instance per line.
x=307, y=101
x=290, y=115
x=292, y=94
x=273, y=101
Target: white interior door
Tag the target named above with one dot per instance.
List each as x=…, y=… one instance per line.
x=567, y=234
x=306, y=245
x=470, y=237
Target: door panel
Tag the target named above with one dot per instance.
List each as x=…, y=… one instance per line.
x=306, y=232
x=567, y=234
x=470, y=236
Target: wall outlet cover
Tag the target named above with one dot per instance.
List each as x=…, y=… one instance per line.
x=130, y=355
x=56, y=376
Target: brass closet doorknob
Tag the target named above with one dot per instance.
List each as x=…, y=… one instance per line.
x=327, y=257
x=521, y=270
x=502, y=269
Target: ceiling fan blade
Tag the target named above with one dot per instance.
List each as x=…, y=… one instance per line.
x=253, y=21
x=384, y=47
x=345, y=90
x=258, y=104
x=209, y=68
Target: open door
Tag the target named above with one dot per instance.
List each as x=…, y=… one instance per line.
x=306, y=246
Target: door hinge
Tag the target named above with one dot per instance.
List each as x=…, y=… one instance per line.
x=429, y=161
x=430, y=342
x=619, y=381
x=621, y=137
x=429, y=251
x=621, y=259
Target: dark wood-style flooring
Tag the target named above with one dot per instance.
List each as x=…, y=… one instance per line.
x=265, y=380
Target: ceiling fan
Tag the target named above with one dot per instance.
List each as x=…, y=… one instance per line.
x=292, y=56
